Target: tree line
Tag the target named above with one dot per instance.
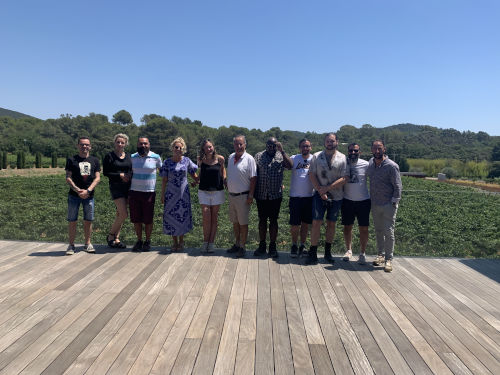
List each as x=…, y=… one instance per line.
x=58, y=137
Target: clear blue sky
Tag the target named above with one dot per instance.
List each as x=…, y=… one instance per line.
x=308, y=65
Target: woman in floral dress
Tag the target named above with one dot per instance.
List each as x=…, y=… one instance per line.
x=177, y=216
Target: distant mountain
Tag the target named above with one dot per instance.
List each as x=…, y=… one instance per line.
x=8, y=113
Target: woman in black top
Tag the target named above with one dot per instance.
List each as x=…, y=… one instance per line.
x=117, y=167
x=211, y=191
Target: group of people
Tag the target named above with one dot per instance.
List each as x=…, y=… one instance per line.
x=326, y=182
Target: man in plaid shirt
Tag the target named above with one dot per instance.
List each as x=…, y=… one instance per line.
x=269, y=192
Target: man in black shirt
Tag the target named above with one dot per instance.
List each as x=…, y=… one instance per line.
x=82, y=176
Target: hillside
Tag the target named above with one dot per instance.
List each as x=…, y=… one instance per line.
x=13, y=114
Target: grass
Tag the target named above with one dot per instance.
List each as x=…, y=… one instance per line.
x=434, y=219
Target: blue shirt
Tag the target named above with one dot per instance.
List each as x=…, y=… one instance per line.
x=144, y=169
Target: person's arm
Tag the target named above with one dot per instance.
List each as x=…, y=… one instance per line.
x=71, y=183
x=397, y=185
x=222, y=167
x=337, y=184
x=84, y=194
x=287, y=161
x=322, y=190
x=251, y=191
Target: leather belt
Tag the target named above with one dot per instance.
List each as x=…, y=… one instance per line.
x=237, y=194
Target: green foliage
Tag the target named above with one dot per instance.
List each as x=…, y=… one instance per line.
x=122, y=117
x=38, y=160
x=434, y=219
x=4, y=160
x=53, y=160
x=450, y=172
x=21, y=161
x=495, y=170
x=495, y=153
x=469, y=169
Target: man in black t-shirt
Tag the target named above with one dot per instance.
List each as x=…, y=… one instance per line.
x=82, y=176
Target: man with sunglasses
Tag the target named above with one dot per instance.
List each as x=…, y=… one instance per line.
x=83, y=173
x=356, y=203
x=269, y=192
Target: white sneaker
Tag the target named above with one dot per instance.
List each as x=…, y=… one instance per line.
x=210, y=247
x=70, y=250
x=362, y=259
x=89, y=248
x=388, y=266
x=347, y=255
x=379, y=260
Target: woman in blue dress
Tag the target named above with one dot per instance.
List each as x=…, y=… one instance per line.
x=177, y=217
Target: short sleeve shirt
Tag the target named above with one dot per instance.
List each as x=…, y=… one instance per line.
x=327, y=174
x=240, y=173
x=300, y=184
x=83, y=171
x=144, y=171
x=269, y=175
x=355, y=189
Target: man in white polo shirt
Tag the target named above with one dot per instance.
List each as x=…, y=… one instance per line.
x=240, y=183
x=145, y=164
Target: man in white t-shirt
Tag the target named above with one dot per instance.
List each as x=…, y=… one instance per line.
x=301, y=192
x=240, y=183
x=356, y=203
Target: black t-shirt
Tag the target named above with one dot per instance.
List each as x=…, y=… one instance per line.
x=83, y=171
x=113, y=166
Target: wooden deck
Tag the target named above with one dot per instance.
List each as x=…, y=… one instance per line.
x=151, y=313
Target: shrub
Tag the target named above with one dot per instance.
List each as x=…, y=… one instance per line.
x=4, y=160
x=494, y=170
x=38, y=160
x=53, y=162
x=450, y=172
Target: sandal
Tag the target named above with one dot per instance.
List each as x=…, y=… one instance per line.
x=174, y=248
x=119, y=245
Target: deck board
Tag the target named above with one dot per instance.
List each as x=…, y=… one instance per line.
x=155, y=313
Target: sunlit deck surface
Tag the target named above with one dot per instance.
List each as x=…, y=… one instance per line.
x=153, y=313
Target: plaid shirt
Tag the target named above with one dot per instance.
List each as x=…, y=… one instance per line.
x=269, y=175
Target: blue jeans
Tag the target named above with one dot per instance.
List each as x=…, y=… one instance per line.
x=74, y=206
x=384, y=219
x=320, y=206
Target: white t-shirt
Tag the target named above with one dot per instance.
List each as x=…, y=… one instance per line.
x=300, y=184
x=144, y=169
x=239, y=174
x=355, y=189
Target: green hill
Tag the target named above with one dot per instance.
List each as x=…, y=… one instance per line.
x=8, y=113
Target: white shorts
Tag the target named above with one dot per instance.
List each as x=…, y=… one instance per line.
x=211, y=198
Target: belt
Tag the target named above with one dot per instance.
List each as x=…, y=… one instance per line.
x=237, y=194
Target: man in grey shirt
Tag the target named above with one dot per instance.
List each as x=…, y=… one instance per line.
x=385, y=194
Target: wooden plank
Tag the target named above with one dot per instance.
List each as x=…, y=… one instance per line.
x=411, y=344
x=334, y=345
x=373, y=352
x=185, y=358
x=447, y=329
x=358, y=360
x=152, y=348
x=226, y=355
x=207, y=354
x=283, y=363
x=321, y=359
x=460, y=313
x=302, y=362
x=264, y=356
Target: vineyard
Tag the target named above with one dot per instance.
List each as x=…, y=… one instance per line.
x=434, y=219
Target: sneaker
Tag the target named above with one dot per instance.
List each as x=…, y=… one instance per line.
x=210, y=248
x=204, y=247
x=241, y=252
x=293, y=251
x=233, y=249
x=70, y=250
x=302, y=251
x=89, y=248
x=379, y=260
x=347, y=256
x=273, y=253
x=137, y=247
x=146, y=246
x=388, y=266
x=362, y=259
x=261, y=250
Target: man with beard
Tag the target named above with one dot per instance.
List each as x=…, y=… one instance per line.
x=240, y=183
x=145, y=164
x=328, y=173
x=301, y=192
x=83, y=173
x=269, y=192
x=385, y=194
x=356, y=203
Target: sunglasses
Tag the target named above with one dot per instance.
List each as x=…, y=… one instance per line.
x=353, y=151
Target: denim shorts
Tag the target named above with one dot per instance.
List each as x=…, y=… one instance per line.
x=74, y=206
x=332, y=208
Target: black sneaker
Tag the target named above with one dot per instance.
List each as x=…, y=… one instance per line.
x=241, y=252
x=293, y=251
x=272, y=250
x=261, y=250
x=312, y=256
x=302, y=251
x=137, y=247
x=146, y=246
x=233, y=249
